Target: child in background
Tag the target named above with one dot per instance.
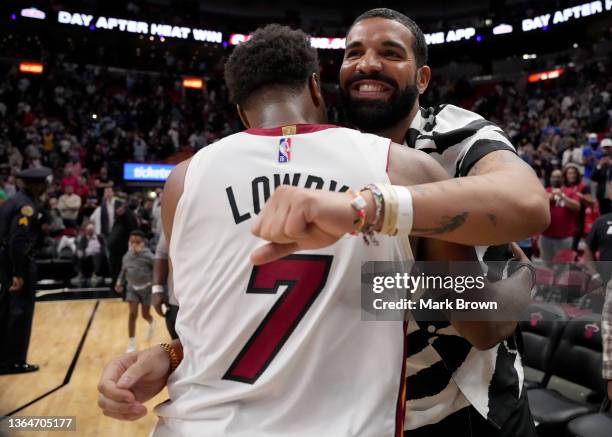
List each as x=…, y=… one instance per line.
x=137, y=271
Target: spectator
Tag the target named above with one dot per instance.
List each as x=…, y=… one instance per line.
x=90, y=203
x=573, y=179
x=117, y=242
x=564, y=207
x=197, y=140
x=104, y=215
x=591, y=154
x=140, y=149
x=69, y=179
x=82, y=189
x=156, y=225
x=603, y=175
x=137, y=272
x=15, y=159
x=69, y=204
x=54, y=218
x=572, y=154
x=103, y=181
x=600, y=240
x=90, y=254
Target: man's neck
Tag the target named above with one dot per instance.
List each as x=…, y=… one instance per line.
x=397, y=132
x=281, y=113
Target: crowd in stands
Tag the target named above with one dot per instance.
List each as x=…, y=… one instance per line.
x=561, y=128
x=85, y=122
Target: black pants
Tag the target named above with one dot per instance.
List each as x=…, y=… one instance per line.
x=91, y=264
x=467, y=422
x=171, y=313
x=16, y=313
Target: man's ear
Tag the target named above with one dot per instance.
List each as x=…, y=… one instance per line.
x=243, y=116
x=423, y=78
x=314, y=86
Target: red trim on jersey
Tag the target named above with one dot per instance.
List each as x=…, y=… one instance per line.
x=301, y=129
x=388, y=155
x=400, y=411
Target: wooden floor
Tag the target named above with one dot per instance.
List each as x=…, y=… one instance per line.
x=57, y=330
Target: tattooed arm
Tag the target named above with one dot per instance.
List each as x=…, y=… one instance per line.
x=500, y=200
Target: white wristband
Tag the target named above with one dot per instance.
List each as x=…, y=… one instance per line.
x=157, y=289
x=405, y=211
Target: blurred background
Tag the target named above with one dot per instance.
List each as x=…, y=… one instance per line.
x=112, y=94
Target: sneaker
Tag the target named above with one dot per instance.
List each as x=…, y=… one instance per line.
x=14, y=368
x=151, y=331
x=77, y=281
x=131, y=345
x=95, y=280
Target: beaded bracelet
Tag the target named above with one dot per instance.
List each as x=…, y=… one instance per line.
x=173, y=356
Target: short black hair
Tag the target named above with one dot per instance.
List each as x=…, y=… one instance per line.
x=138, y=233
x=419, y=46
x=275, y=55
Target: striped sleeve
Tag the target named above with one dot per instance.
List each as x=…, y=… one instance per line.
x=458, y=137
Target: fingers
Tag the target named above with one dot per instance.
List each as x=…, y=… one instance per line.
x=271, y=252
x=125, y=409
x=111, y=373
x=518, y=254
x=130, y=414
x=133, y=373
x=158, y=309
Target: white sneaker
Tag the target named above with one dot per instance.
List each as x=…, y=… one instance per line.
x=151, y=331
x=94, y=280
x=131, y=345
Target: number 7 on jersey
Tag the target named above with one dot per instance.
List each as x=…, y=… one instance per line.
x=305, y=277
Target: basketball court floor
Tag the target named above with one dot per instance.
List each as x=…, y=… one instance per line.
x=72, y=340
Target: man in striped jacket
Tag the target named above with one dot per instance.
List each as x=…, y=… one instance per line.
x=452, y=388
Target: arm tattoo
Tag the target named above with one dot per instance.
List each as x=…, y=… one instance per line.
x=447, y=224
x=493, y=219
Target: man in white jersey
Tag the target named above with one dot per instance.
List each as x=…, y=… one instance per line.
x=278, y=349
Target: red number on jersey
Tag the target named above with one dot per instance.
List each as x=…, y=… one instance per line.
x=305, y=276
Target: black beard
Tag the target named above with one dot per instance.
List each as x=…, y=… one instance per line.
x=374, y=116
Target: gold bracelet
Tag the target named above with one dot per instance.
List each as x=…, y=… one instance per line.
x=175, y=360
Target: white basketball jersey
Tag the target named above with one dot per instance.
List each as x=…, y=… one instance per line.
x=279, y=349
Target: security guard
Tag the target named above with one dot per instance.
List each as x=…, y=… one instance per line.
x=19, y=233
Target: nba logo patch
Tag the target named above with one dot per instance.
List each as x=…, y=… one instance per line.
x=284, y=150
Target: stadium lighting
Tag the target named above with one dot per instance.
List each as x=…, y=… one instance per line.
x=94, y=116
x=502, y=29
x=31, y=67
x=33, y=13
x=193, y=82
x=545, y=75
x=529, y=56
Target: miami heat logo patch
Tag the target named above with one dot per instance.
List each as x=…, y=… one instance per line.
x=284, y=150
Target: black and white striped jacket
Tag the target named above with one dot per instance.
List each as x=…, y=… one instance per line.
x=444, y=372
